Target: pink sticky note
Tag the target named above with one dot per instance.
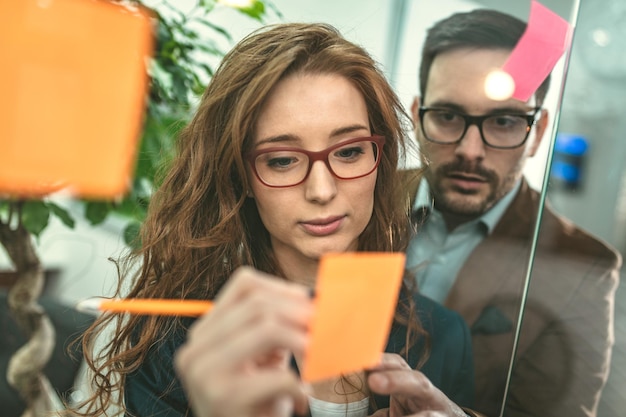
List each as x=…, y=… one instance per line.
x=538, y=50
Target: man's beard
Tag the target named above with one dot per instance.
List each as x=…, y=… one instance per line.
x=454, y=203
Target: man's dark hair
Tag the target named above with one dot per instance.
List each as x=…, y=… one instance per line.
x=480, y=29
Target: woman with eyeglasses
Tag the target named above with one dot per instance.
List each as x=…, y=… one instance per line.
x=292, y=154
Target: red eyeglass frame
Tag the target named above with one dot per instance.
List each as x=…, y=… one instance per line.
x=316, y=156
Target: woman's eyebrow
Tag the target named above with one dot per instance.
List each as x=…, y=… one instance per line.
x=295, y=139
x=292, y=139
x=348, y=129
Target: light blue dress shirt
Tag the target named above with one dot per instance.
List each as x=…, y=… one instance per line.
x=435, y=255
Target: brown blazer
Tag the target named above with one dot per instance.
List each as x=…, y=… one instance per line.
x=564, y=348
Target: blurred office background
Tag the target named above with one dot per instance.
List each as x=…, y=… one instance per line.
x=393, y=31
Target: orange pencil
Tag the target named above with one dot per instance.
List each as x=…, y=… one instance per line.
x=152, y=306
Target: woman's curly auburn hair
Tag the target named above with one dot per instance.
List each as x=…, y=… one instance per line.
x=200, y=225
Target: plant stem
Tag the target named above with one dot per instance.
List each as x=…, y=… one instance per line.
x=25, y=367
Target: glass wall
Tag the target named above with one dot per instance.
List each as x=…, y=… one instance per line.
x=588, y=181
x=549, y=304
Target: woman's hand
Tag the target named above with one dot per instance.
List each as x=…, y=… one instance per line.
x=410, y=392
x=235, y=360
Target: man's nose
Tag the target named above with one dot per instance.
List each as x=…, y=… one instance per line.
x=321, y=184
x=471, y=146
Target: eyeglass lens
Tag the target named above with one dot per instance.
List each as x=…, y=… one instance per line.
x=289, y=167
x=499, y=130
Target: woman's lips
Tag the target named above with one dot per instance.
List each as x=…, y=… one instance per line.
x=322, y=227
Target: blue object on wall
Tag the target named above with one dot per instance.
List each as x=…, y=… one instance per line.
x=568, y=160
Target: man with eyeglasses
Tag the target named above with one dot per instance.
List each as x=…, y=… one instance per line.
x=476, y=216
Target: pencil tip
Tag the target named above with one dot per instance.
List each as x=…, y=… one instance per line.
x=90, y=306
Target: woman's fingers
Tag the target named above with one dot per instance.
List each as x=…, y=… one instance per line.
x=249, y=300
x=246, y=280
x=403, y=383
x=389, y=361
x=411, y=392
x=260, y=309
x=254, y=344
x=235, y=360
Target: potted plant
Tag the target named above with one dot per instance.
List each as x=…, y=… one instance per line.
x=178, y=73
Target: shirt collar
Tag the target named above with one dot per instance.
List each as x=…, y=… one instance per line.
x=424, y=201
x=495, y=213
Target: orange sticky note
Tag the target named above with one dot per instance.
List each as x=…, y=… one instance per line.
x=73, y=85
x=355, y=298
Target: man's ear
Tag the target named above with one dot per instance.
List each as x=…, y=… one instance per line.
x=415, y=107
x=540, y=129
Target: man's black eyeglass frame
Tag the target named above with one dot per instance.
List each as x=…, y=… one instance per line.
x=531, y=120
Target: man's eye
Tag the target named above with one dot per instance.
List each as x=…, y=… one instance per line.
x=446, y=117
x=504, y=121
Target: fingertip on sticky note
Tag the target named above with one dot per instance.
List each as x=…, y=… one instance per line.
x=499, y=85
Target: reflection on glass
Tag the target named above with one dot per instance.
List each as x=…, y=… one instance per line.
x=593, y=110
x=479, y=243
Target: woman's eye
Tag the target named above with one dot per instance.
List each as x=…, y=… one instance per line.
x=351, y=152
x=282, y=162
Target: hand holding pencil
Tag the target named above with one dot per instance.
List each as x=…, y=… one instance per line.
x=235, y=359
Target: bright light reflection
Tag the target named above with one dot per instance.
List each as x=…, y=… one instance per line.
x=499, y=85
x=601, y=37
x=238, y=4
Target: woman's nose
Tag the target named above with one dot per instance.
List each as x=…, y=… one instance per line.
x=321, y=184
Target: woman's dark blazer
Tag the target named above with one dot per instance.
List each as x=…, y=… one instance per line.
x=154, y=389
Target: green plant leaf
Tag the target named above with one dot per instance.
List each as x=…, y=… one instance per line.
x=35, y=216
x=161, y=75
x=255, y=10
x=216, y=28
x=97, y=211
x=131, y=235
x=4, y=210
x=207, y=4
x=131, y=208
x=62, y=214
